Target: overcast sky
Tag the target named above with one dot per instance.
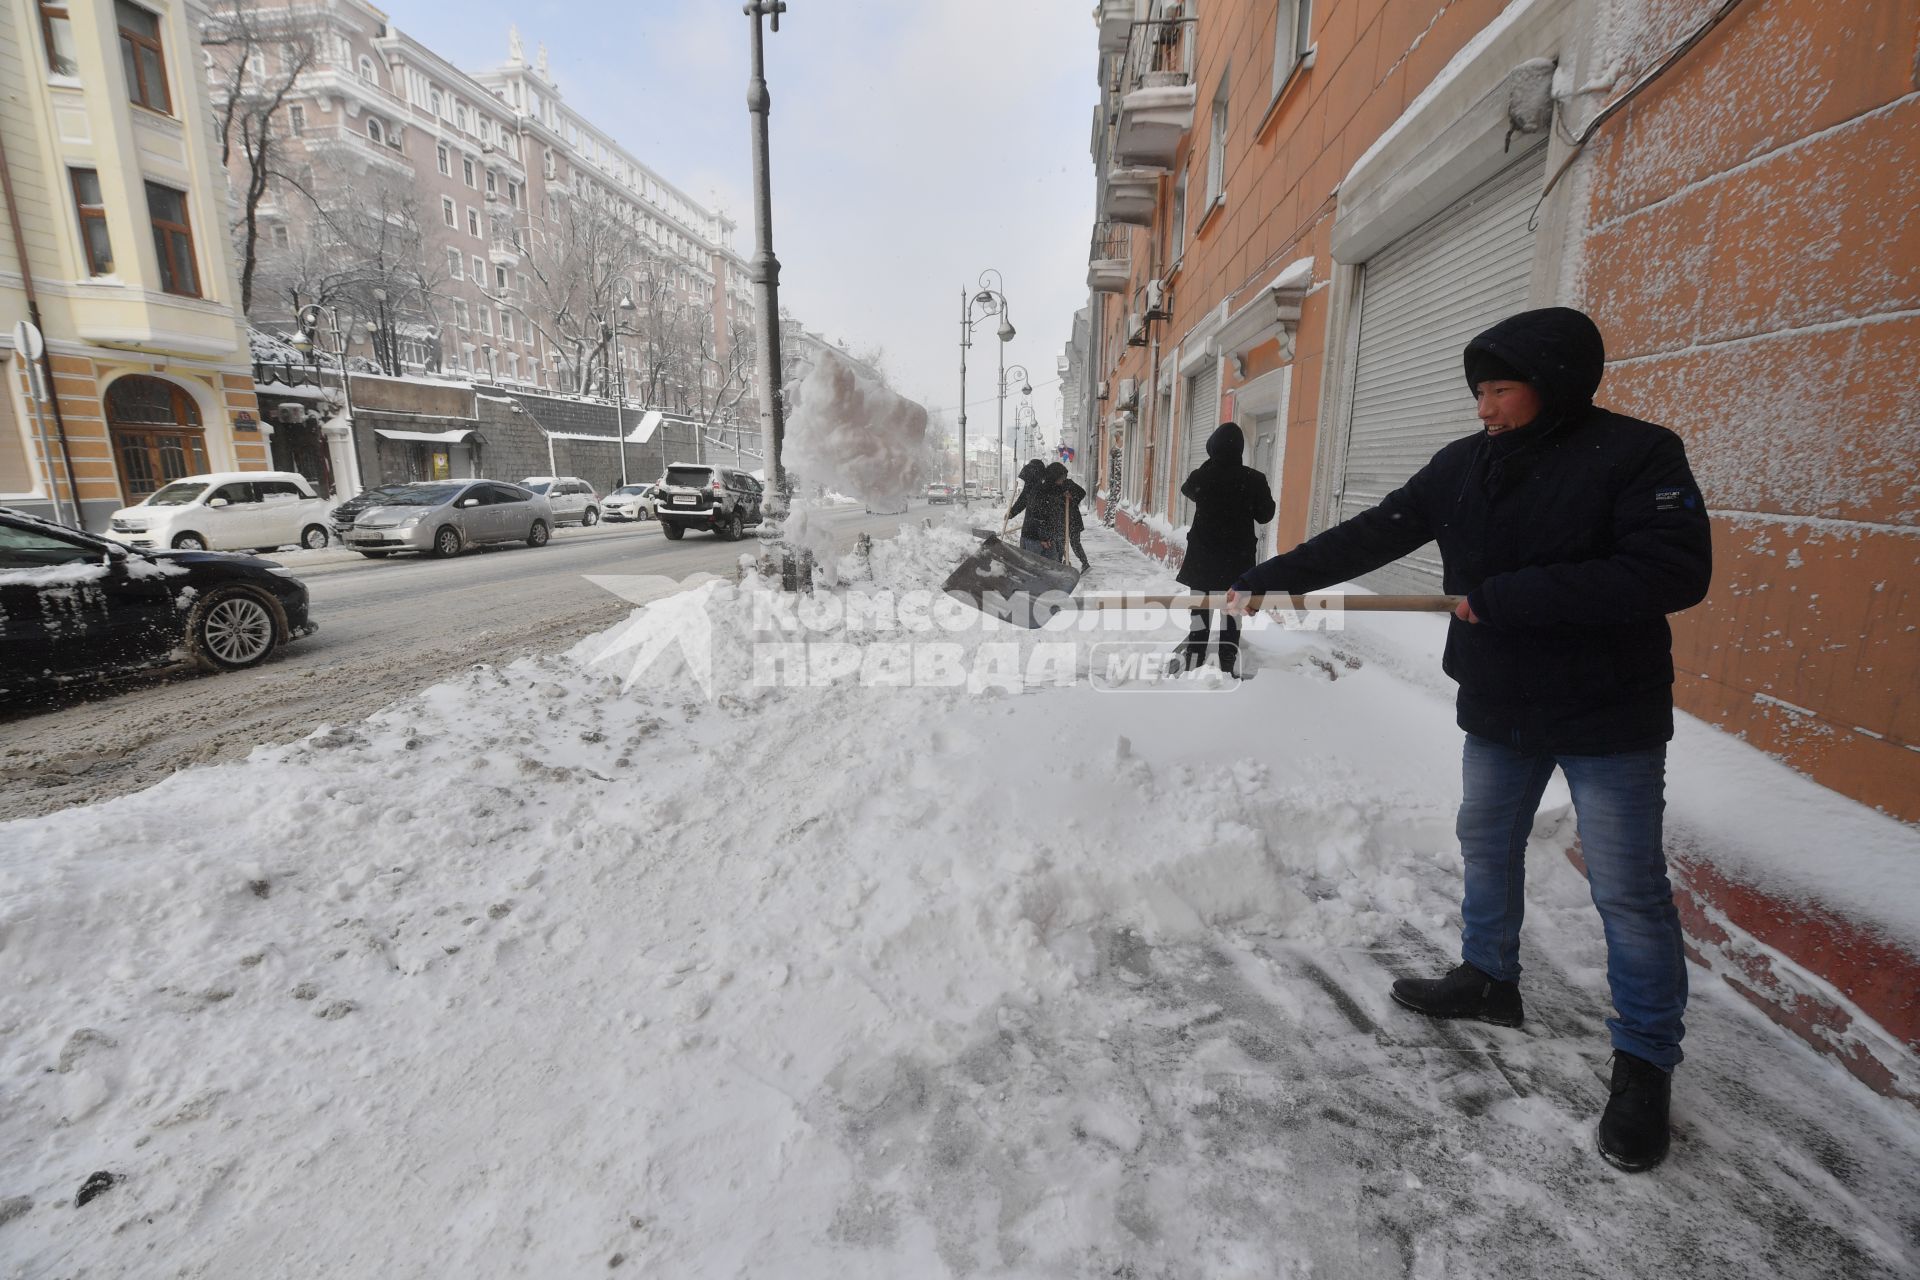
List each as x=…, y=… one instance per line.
x=915, y=144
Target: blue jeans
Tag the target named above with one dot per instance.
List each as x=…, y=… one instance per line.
x=1618, y=801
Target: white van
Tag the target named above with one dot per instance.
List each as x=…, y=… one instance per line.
x=225, y=511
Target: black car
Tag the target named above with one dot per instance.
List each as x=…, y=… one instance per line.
x=342, y=515
x=697, y=496
x=74, y=606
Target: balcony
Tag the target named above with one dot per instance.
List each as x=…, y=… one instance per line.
x=1110, y=259
x=1131, y=195
x=1116, y=19
x=1156, y=92
x=503, y=252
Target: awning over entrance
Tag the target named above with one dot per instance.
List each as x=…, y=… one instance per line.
x=428, y=437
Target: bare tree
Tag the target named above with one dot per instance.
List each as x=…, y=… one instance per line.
x=258, y=57
x=581, y=261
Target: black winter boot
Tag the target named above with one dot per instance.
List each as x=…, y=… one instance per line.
x=1633, y=1129
x=1463, y=993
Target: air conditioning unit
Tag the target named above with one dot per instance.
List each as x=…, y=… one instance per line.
x=1129, y=393
x=1157, y=308
x=1101, y=390
x=1136, y=329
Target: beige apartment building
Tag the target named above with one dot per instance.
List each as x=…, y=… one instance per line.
x=116, y=240
x=483, y=170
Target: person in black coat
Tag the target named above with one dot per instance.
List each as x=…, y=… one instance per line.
x=1057, y=522
x=1031, y=474
x=1229, y=499
x=1572, y=532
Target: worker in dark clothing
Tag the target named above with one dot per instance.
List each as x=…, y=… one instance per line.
x=1229, y=499
x=1572, y=532
x=1031, y=474
x=1060, y=498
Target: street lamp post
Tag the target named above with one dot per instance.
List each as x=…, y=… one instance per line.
x=765, y=272
x=991, y=302
x=1019, y=371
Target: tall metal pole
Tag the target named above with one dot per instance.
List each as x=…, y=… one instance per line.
x=765, y=272
x=966, y=334
x=620, y=411
x=1000, y=454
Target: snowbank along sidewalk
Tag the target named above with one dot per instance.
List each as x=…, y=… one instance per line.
x=566, y=966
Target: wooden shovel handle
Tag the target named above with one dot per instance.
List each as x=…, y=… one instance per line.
x=1313, y=601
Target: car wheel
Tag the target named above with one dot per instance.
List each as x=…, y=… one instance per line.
x=673, y=530
x=376, y=555
x=733, y=528
x=313, y=537
x=230, y=629
x=446, y=541
x=538, y=535
x=189, y=542
x=591, y=518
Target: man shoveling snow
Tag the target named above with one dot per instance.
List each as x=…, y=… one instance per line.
x=1573, y=532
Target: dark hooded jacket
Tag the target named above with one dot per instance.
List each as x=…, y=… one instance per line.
x=1030, y=475
x=1228, y=501
x=1054, y=512
x=1572, y=537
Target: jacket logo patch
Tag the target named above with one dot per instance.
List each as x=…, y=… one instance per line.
x=1674, y=499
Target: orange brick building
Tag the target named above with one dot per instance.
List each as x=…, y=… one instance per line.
x=1308, y=206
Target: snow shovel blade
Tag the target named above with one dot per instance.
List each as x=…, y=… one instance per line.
x=1012, y=584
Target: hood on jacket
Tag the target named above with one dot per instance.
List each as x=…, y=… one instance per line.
x=1032, y=471
x=1226, y=444
x=1557, y=349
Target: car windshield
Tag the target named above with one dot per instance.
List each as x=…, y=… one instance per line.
x=690, y=477
x=177, y=494
x=422, y=495
x=541, y=487
x=630, y=489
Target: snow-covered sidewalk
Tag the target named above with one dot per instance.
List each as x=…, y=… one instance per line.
x=540, y=973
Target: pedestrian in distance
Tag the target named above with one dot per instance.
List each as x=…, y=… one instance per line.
x=1229, y=500
x=1031, y=474
x=1572, y=532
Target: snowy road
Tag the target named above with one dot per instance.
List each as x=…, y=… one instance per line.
x=386, y=628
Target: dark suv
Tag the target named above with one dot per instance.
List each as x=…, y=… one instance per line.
x=697, y=496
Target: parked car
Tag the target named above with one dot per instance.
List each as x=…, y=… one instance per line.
x=629, y=502
x=572, y=499
x=342, y=516
x=445, y=517
x=939, y=492
x=697, y=496
x=225, y=511
x=75, y=605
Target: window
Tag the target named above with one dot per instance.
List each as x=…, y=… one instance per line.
x=500, y=279
x=367, y=72
x=466, y=169
x=141, y=54
x=448, y=212
x=173, y=240
x=460, y=314
x=437, y=105
x=444, y=160
x=546, y=164
x=296, y=120
x=156, y=434
x=93, y=221
x=374, y=131
x=1179, y=246
x=506, y=326
x=479, y=271
x=59, y=35
x=1217, y=147
x=1289, y=39
x=513, y=361
x=513, y=194
x=453, y=264
x=281, y=238
x=490, y=186
x=473, y=224
x=485, y=316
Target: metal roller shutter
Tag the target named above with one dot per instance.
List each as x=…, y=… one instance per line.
x=1203, y=415
x=1422, y=298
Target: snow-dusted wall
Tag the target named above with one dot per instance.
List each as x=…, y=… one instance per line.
x=1753, y=259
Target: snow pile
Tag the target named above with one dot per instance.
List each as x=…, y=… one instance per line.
x=848, y=432
x=630, y=958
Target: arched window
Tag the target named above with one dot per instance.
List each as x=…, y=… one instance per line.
x=156, y=433
x=374, y=131
x=367, y=72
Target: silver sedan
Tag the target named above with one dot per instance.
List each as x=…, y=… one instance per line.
x=444, y=517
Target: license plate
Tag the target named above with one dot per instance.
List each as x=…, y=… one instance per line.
x=683, y=501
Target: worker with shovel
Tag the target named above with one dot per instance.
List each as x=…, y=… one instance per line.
x=1572, y=531
x=1229, y=500
x=1031, y=474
